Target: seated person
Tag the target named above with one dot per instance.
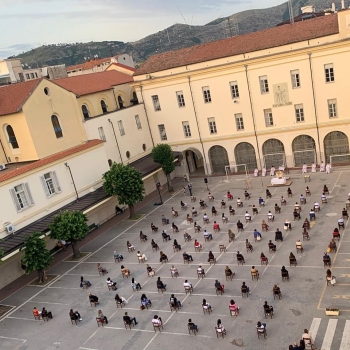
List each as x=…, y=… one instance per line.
x=206, y=305
x=174, y=227
x=341, y=222
x=277, y=208
x=302, y=199
x=299, y=245
x=270, y=215
x=316, y=206
x=163, y=257
x=257, y=235
x=248, y=245
x=328, y=275
x=120, y=299
x=93, y=298
x=287, y=225
x=174, y=270
x=194, y=211
x=130, y=246
x=263, y=257
x=284, y=271
x=174, y=213
x=268, y=193
x=145, y=301
x=210, y=196
x=62, y=244
x=176, y=245
x=278, y=235
x=239, y=225
x=153, y=227
x=229, y=195
x=36, y=312
x=84, y=282
x=336, y=233
x=220, y=327
x=231, y=235
x=135, y=285
x=160, y=284
x=247, y=216
x=216, y=226
x=213, y=210
x=325, y=189
x=283, y=201
x=143, y=236
x=205, y=218
x=207, y=235
x=174, y=302
x=224, y=218
x=197, y=244
x=312, y=215
x=128, y=320
x=187, y=284
x=165, y=236
x=187, y=236
x=239, y=202
x=233, y=307
x=211, y=256
x=157, y=321
x=191, y=325
x=307, y=191
x=297, y=206
x=183, y=205
x=254, y=271
x=345, y=213
x=228, y=271
x=164, y=220
x=276, y=290
x=306, y=224
x=200, y=270
x=296, y=214
x=254, y=209
x=75, y=315
x=101, y=269
x=323, y=197
x=291, y=257
x=272, y=246
x=223, y=203
x=239, y=256
x=141, y=256
x=260, y=327
x=150, y=270
x=218, y=286
x=187, y=256
x=244, y=288
x=202, y=204
x=154, y=244
x=326, y=257
x=268, y=309
x=117, y=256
x=306, y=337
x=332, y=245
x=246, y=194
x=124, y=271
x=289, y=192
x=110, y=283
x=231, y=210
x=261, y=202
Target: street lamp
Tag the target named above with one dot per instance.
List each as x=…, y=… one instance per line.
x=159, y=187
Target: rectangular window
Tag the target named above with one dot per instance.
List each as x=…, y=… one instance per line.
x=180, y=98
x=162, y=132
x=121, y=128
x=299, y=113
x=212, y=126
x=268, y=117
x=101, y=133
x=239, y=121
x=50, y=184
x=206, y=94
x=22, y=197
x=264, y=84
x=329, y=72
x=36, y=75
x=138, y=122
x=234, y=89
x=332, y=108
x=295, y=76
x=156, y=103
x=32, y=75
x=27, y=76
x=187, y=130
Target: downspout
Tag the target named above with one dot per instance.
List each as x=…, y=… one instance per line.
x=3, y=149
x=315, y=107
x=71, y=175
x=253, y=118
x=144, y=107
x=199, y=132
x=116, y=141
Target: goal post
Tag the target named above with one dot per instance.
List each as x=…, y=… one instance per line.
x=307, y=156
x=339, y=159
x=274, y=159
x=235, y=169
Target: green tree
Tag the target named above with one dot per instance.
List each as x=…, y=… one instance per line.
x=70, y=226
x=126, y=183
x=36, y=256
x=163, y=155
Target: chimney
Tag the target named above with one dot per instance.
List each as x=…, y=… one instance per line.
x=308, y=9
x=333, y=7
x=342, y=4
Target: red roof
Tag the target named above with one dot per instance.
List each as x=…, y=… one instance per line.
x=47, y=160
x=89, y=83
x=88, y=64
x=264, y=39
x=13, y=96
x=122, y=66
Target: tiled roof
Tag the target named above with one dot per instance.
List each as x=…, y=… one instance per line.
x=13, y=96
x=268, y=38
x=303, y=17
x=47, y=160
x=88, y=64
x=122, y=66
x=89, y=83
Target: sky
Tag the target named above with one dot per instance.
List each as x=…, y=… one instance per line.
x=26, y=24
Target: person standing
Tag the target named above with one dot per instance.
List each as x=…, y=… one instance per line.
x=190, y=188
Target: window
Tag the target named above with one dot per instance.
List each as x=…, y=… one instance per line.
x=138, y=122
x=206, y=94
x=85, y=111
x=121, y=128
x=264, y=84
x=234, y=89
x=162, y=132
x=120, y=102
x=101, y=133
x=239, y=121
x=50, y=184
x=156, y=103
x=56, y=126
x=212, y=126
x=268, y=117
x=27, y=76
x=299, y=113
x=329, y=72
x=332, y=108
x=104, y=107
x=187, y=130
x=36, y=75
x=12, y=137
x=32, y=75
x=180, y=98
x=295, y=76
x=22, y=197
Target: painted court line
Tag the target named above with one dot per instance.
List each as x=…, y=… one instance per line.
x=328, y=338
x=345, y=342
x=314, y=327
x=22, y=340
x=22, y=318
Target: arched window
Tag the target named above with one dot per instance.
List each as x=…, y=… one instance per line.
x=104, y=107
x=121, y=102
x=218, y=159
x=12, y=137
x=134, y=100
x=56, y=126
x=85, y=111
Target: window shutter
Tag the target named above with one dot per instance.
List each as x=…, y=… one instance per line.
x=58, y=188
x=46, y=190
x=15, y=201
x=30, y=198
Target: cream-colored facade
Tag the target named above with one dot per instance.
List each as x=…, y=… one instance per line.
x=284, y=105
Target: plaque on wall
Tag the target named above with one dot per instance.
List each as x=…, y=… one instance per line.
x=281, y=95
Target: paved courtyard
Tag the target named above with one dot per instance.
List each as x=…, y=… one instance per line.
x=304, y=297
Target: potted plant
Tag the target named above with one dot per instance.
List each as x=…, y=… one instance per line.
x=331, y=311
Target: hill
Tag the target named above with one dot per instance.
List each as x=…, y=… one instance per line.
x=172, y=38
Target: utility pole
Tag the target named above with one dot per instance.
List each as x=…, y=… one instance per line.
x=290, y=7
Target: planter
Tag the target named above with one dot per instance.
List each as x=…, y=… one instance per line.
x=332, y=313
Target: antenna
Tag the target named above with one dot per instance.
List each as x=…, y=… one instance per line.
x=290, y=7
x=230, y=27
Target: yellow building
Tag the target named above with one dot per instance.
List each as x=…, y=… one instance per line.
x=274, y=97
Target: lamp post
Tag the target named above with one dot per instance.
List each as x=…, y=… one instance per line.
x=159, y=186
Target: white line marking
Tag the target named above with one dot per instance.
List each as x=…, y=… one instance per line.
x=328, y=338
x=22, y=318
x=314, y=328
x=22, y=340
x=345, y=341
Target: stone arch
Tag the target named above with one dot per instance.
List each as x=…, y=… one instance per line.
x=336, y=143
x=304, y=150
x=245, y=154
x=218, y=159
x=273, y=153
x=193, y=159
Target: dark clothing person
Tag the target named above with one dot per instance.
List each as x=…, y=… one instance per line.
x=127, y=319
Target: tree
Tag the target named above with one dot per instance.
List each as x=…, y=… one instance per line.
x=36, y=256
x=163, y=155
x=70, y=226
x=126, y=183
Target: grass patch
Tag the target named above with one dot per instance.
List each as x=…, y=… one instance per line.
x=82, y=256
x=137, y=217
x=49, y=278
x=5, y=309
